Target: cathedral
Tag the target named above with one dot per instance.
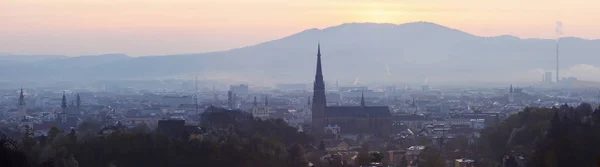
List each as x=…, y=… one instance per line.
x=361, y=119
x=261, y=112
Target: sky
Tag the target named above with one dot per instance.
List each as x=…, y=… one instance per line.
x=162, y=27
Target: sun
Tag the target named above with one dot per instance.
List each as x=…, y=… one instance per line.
x=380, y=13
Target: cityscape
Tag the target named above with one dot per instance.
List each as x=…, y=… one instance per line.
x=363, y=93
x=344, y=117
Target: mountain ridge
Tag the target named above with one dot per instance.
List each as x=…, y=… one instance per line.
x=413, y=51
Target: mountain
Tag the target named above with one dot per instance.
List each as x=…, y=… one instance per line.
x=413, y=52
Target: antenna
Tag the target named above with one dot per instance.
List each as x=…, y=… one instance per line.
x=196, y=95
x=559, y=32
x=389, y=74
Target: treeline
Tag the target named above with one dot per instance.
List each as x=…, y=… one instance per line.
x=563, y=136
x=230, y=138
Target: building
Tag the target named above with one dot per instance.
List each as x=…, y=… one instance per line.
x=25, y=124
x=464, y=163
x=548, y=77
x=351, y=119
x=261, y=112
x=172, y=128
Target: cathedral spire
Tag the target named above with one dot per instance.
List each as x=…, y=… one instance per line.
x=21, y=98
x=319, y=48
x=318, y=99
x=78, y=101
x=319, y=75
x=255, y=102
x=362, y=99
x=64, y=101
x=266, y=101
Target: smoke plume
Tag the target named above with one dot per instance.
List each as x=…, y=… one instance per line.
x=558, y=29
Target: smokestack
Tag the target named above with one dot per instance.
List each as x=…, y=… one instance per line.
x=559, y=32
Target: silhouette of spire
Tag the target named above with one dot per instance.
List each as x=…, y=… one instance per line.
x=21, y=98
x=319, y=75
x=255, y=102
x=362, y=99
x=64, y=101
x=511, y=88
x=266, y=101
x=309, y=100
x=319, y=101
x=78, y=101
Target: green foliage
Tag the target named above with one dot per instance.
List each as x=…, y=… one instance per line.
x=91, y=126
x=11, y=154
x=403, y=162
x=423, y=141
x=233, y=139
x=321, y=146
x=563, y=136
x=376, y=157
x=363, y=157
x=519, y=130
x=53, y=132
x=431, y=157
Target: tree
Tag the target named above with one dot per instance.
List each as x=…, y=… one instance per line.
x=90, y=126
x=296, y=156
x=430, y=157
x=141, y=128
x=403, y=162
x=11, y=154
x=321, y=146
x=376, y=157
x=53, y=132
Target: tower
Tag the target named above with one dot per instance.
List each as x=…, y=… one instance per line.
x=78, y=104
x=511, y=96
x=63, y=114
x=78, y=101
x=318, y=101
x=22, y=114
x=557, y=62
x=196, y=96
x=255, y=102
x=230, y=99
x=362, y=99
x=266, y=101
x=255, y=109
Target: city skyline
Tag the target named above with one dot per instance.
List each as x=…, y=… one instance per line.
x=76, y=28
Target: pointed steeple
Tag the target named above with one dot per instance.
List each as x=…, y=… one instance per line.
x=255, y=102
x=78, y=101
x=511, y=89
x=21, y=98
x=319, y=101
x=266, y=101
x=319, y=75
x=362, y=99
x=64, y=101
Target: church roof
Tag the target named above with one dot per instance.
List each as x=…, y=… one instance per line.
x=357, y=111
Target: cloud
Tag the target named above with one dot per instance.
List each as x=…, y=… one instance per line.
x=584, y=72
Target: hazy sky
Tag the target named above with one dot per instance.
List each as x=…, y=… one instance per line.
x=157, y=27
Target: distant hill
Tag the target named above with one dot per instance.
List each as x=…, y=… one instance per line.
x=413, y=52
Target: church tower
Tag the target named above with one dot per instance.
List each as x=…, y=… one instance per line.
x=63, y=114
x=22, y=114
x=362, y=99
x=318, y=101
